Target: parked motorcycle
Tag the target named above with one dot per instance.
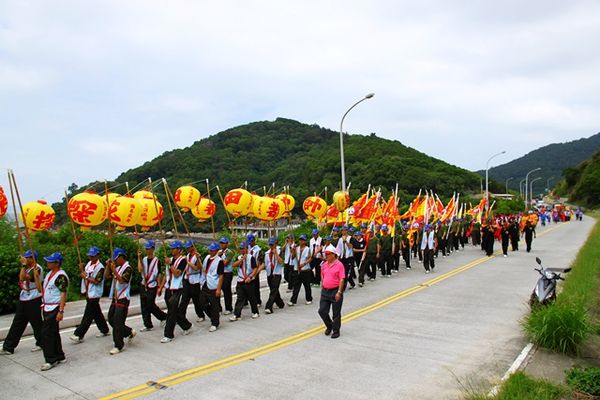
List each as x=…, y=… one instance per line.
x=544, y=292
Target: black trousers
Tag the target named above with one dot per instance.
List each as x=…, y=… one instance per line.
x=302, y=278
x=256, y=283
x=428, y=259
x=175, y=316
x=287, y=272
x=117, y=314
x=386, y=263
x=274, y=296
x=396, y=258
x=505, y=240
x=92, y=313
x=406, y=256
x=368, y=267
x=528, y=240
x=51, y=343
x=514, y=242
x=191, y=292
x=149, y=307
x=328, y=303
x=211, y=304
x=226, y=289
x=245, y=292
x=315, y=265
x=27, y=312
x=349, y=270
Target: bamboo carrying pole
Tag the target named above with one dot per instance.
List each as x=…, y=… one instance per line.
x=75, y=240
x=212, y=217
x=14, y=204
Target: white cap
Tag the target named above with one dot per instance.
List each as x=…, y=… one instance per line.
x=331, y=249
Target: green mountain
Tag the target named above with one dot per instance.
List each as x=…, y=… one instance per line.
x=552, y=159
x=582, y=183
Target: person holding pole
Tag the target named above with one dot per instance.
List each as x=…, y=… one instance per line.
x=92, y=285
x=149, y=268
x=121, y=273
x=176, y=266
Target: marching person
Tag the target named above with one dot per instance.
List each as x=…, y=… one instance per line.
x=369, y=267
x=386, y=261
x=344, y=248
x=274, y=267
x=226, y=255
x=302, y=275
x=359, y=247
x=514, y=234
x=529, y=232
x=505, y=237
x=149, y=268
x=315, y=243
x=289, y=259
x=121, y=273
x=405, y=246
x=255, y=250
x=212, y=281
x=27, y=311
x=176, y=265
x=247, y=271
x=428, y=248
x=92, y=285
x=191, y=281
x=333, y=279
x=54, y=298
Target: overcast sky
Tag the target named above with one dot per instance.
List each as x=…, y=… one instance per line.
x=89, y=89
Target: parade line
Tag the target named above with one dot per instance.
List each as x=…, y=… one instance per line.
x=215, y=366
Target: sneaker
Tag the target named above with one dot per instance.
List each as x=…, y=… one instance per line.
x=75, y=339
x=327, y=331
x=35, y=348
x=409, y=267
x=212, y=328
x=64, y=360
x=389, y=275
x=233, y=318
x=360, y=284
x=505, y=256
x=146, y=329
x=335, y=335
x=227, y=312
x=166, y=340
x=427, y=271
x=267, y=311
x=114, y=351
x=291, y=304
x=201, y=319
x=163, y=323
x=101, y=334
x=132, y=335
x=308, y=303
x=47, y=366
x=371, y=279
x=351, y=287
x=6, y=352
x=187, y=331
x=255, y=315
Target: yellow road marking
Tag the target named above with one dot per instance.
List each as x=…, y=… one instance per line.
x=262, y=350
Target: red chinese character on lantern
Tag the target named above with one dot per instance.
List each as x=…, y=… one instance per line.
x=177, y=196
x=273, y=210
x=43, y=221
x=114, y=207
x=210, y=209
x=233, y=197
x=80, y=211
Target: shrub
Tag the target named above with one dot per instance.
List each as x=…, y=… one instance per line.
x=586, y=380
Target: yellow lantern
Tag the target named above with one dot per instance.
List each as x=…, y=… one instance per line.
x=110, y=197
x=87, y=209
x=187, y=197
x=125, y=211
x=38, y=215
x=265, y=208
x=205, y=209
x=341, y=200
x=144, y=194
x=288, y=201
x=314, y=207
x=238, y=202
x=282, y=209
x=3, y=203
x=151, y=213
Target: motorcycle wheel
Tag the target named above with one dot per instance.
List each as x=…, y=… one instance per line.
x=534, y=303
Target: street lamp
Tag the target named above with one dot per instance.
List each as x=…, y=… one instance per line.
x=507, y=183
x=521, y=187
x=487, y=167
x=548, y=183
x=531, y=188
x=526, y=185
x=370, y=95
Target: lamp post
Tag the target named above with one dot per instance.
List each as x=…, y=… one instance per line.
x=507, y=183
x=526, y=185
x=531, y=188
x=368, y=96
x=487, y=167
x=548, y=183
x=521, y=187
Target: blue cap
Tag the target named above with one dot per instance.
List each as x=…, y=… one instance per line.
x=117, y=252
x=214, y=246
x=54, y=257
x=384, y=228
x=351, y=229
x=427, y=226
x=335, y=229
x=224, y=240
x=242, y=245
x=328, y=237
x=363, y=226
x=272, y=241
x=29, y=253
x=290, y=236
x=315, y=231
x=150, y=244
x=251, y=238
x=358, y=233
x=377, y=226
x=302, y=237
x=176, y=245
x=93, y=251
x=345, y=227
x=188, y=244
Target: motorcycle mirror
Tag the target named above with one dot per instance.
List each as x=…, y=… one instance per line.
x=537, y=260
x=567, y=270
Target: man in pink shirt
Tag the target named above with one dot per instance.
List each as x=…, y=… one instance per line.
x=333, y=276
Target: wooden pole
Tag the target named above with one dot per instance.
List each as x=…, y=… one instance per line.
x=212, y=217
x=164, y=181
x=75, y=240
x=12, y=196
x=27, y=236
x=110, y=243
x=162, y=231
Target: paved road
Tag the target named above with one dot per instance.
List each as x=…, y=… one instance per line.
x=412, y=336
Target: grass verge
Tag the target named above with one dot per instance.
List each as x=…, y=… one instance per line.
x=520, y=386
